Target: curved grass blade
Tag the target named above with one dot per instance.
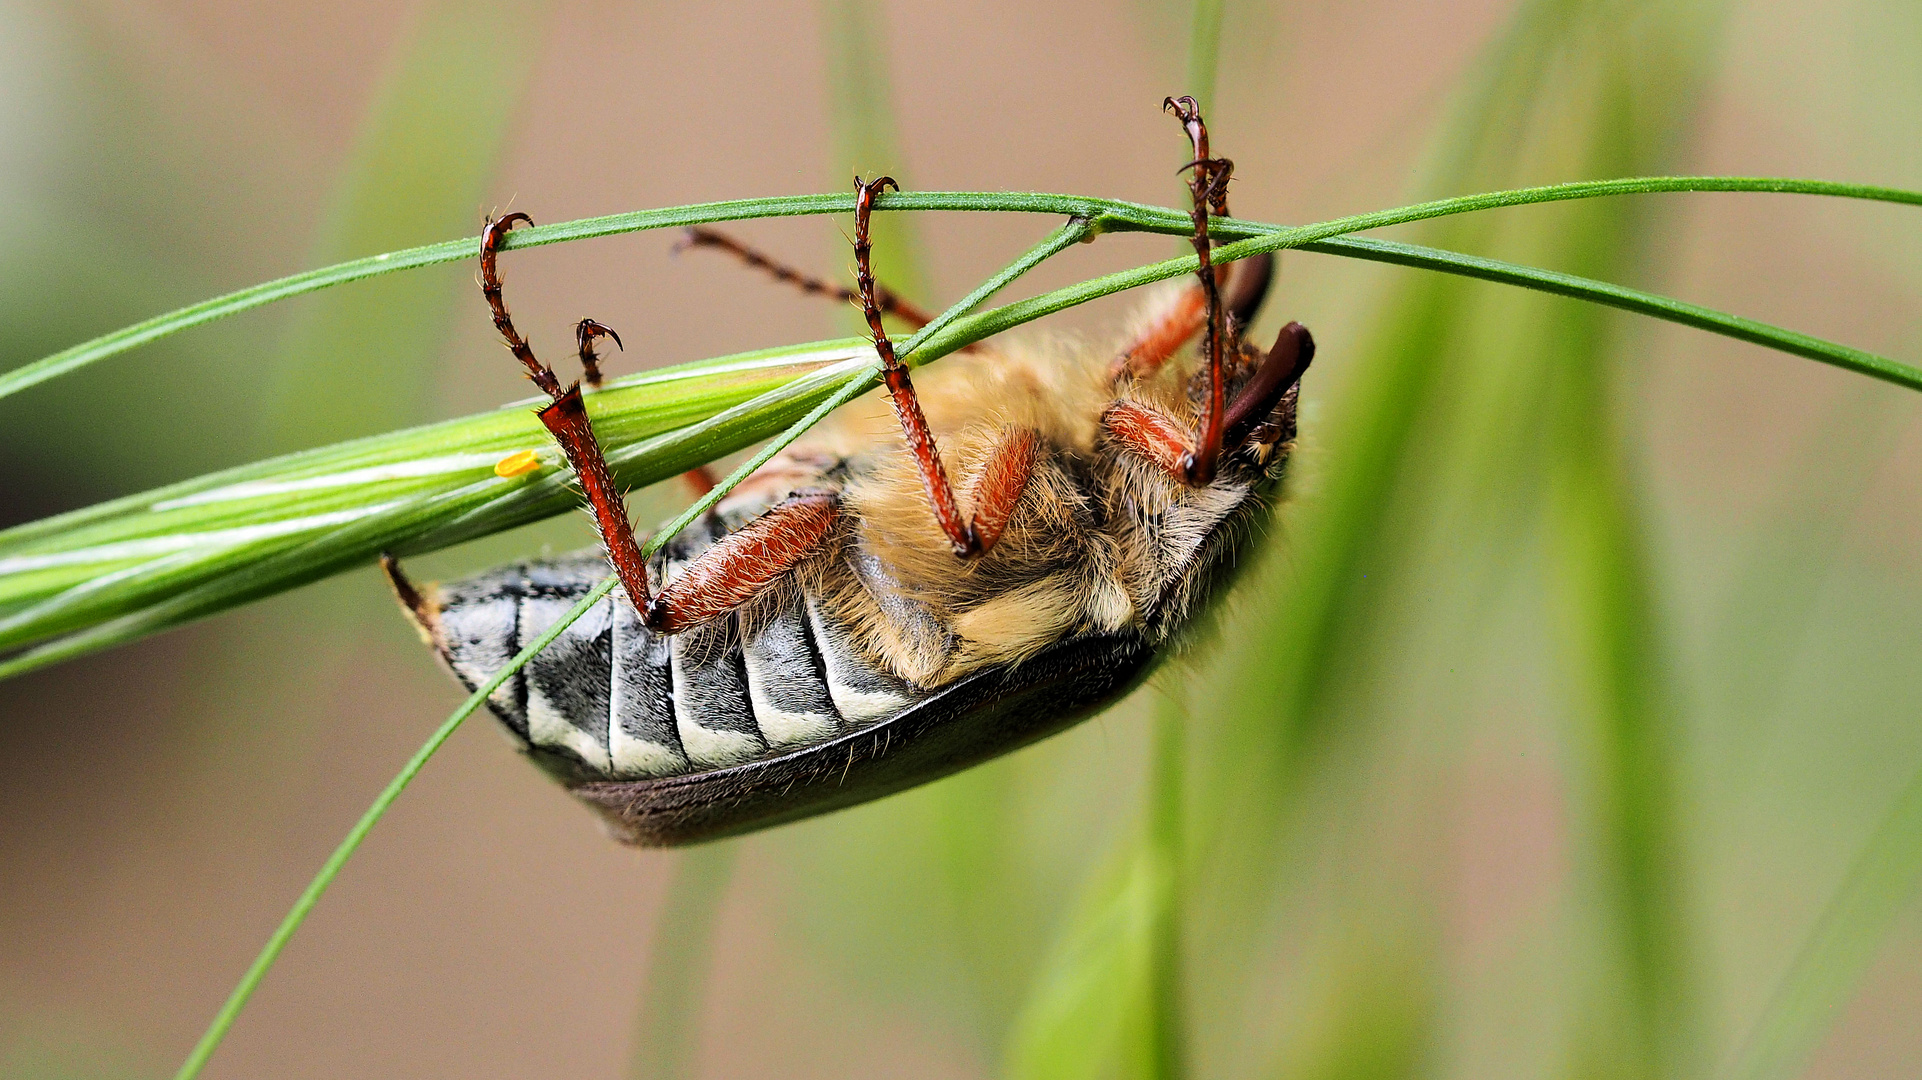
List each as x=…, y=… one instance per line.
x=156, y=561
x=668, y=1024
x=1107, y=215
x=1653, y=305
x=408, y=491
x=1004, y=318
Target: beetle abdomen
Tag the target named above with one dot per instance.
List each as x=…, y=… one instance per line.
x=610, y=699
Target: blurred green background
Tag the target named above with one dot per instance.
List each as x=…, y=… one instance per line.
x=1567, y=725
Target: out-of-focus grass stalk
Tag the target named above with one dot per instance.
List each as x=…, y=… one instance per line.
x=1317, y=681
x=1617, y=670
x=1757, y=641
x=1204, y=52
x=1077, y=1021
x=1879, y=886
x=424, y=158
x=867, y=135
x=1166, y=847
x=1094, y=1009
x=1642, y=1016
x=668, y=1022
x=1106, y=215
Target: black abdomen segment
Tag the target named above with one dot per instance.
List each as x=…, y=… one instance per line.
x=616, y=701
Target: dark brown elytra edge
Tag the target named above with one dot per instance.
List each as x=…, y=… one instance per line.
x=1004, y=709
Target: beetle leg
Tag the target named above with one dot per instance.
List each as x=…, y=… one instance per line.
x=907, y=408
x=1280, y=370
x=566, y=419
x=1244, y=285
x=585, y=332
x=1168, y=443
x=699, y=479
x=744, y=562
x=1001, y=484
x=425, y=615
x=1208, y=188
x=889, y=301
x=1153, y=435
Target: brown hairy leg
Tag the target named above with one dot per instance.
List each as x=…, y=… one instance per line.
x=1244, y=285
x=1208, y=187
x=566, y=419
x=1010, y=464
x=744, y=562
x=1164, y=441
x=889, y=301
x=700, y=478
x=585, y=333
x=723, y=577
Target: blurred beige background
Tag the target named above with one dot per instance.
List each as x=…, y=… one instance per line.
x=165, y=802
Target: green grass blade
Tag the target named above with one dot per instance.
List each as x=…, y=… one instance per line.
x=1106, y=214
x=110, y=574
x=1666, y=308
x=407, y=492
x=1005, y=318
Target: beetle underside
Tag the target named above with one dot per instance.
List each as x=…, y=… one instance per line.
x=860, y=623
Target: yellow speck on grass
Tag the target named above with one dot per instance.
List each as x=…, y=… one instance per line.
x=519, y=463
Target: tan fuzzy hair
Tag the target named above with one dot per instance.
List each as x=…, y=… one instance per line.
x=1033, y=588
x=929, y=617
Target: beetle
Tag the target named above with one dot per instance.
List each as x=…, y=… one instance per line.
x=841, y=628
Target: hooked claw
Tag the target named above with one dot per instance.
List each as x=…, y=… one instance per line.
x=499, y=227
x=587, y=330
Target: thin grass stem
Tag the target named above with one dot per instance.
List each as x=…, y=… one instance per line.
x=249, y=982
x=1106, y=215
x=1653, y=305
